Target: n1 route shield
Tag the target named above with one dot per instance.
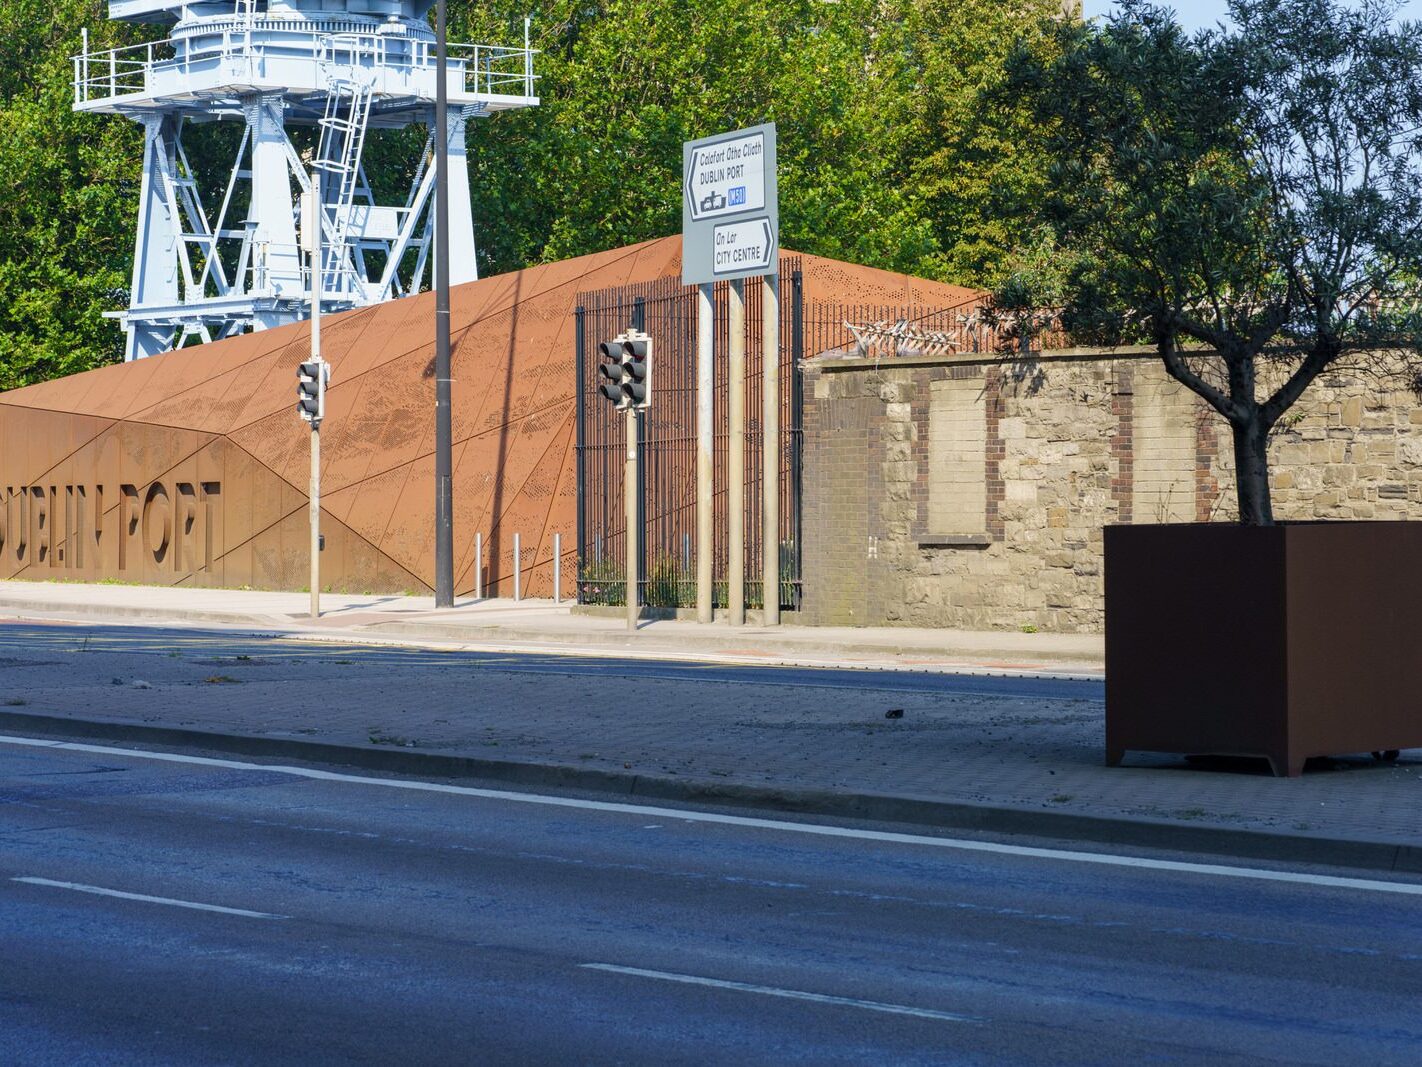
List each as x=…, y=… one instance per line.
x=730, y=206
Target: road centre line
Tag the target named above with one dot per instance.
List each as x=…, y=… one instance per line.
x=750, y=822
x=144, y=897
x=775, y=991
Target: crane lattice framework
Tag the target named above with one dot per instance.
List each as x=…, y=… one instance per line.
x=343, y=67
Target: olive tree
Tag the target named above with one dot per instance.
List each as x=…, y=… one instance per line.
x=1247, y=199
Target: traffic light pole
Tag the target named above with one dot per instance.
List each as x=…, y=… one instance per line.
x=770, y=450
x=736, y=460
x=629, y=494
x=444, y=492
x=705, y=444
x=314, y=488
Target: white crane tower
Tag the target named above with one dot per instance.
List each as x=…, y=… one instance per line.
x=339, y=67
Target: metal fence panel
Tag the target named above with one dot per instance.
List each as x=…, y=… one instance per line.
x=667, y=310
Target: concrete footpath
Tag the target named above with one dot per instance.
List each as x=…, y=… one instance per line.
x=541, y=625
x=986, y=740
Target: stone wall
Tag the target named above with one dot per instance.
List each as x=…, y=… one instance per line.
x=961, y=492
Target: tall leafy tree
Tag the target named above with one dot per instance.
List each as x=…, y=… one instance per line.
x=1248, y=200
x=897, y=148
x=68, y=197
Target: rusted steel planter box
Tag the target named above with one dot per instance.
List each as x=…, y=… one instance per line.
x=1289, y=641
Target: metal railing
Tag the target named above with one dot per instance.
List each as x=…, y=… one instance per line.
x=486, y=70
x=892, y=331
x=668, y=311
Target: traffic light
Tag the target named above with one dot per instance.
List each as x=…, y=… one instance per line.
x=637, y=361
x=612, y=370
x=626, y=370
x=311, y=379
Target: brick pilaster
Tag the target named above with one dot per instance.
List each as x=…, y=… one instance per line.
x=1207, y=487
x=1123, y=442
x=996, y=451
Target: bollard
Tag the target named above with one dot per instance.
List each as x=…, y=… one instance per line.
x=518, y=587
x=557, y=568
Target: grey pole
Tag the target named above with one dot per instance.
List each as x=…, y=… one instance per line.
x=736, y=459
x=770, y=450
x=317, y=291
x=705, y=443
x=479, y=566
x=629, y=492
x=518, y=569
x=444, y=496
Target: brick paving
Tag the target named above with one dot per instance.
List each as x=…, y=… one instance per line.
x=968, y=741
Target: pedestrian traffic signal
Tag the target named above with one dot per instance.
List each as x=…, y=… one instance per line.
x=626, y=370
x=311, y=379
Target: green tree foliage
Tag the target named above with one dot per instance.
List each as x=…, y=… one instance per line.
x=68, y=197
x=1249, y=201
x=898, y=147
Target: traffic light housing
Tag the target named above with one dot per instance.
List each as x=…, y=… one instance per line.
x=637, y=361
x=611, y=371
x=311, y=379
x=625, y=370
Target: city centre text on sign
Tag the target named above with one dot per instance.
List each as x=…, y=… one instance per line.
x=740, y=246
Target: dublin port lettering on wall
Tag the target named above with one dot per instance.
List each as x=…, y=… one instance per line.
x=123, y=527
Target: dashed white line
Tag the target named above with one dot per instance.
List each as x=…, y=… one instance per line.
x=100, y=891
x=1103, y=859
x=775, y=991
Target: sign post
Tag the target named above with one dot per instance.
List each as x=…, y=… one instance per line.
x=730, y=231
x=312, y=377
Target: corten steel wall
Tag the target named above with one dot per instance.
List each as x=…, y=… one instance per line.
x=190, y=468
x=817, y=297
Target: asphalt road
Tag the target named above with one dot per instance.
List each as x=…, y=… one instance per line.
x=386, y=922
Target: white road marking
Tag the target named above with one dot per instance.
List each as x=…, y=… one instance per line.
x=1104, y=859
x=102, y=892
x=774, y=991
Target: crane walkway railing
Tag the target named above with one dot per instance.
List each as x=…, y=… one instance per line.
x=115, y=73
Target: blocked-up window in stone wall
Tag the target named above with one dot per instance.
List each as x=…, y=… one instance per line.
x=1163, y=446
x=957, y=450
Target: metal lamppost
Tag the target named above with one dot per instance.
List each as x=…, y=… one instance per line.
x=444, y=494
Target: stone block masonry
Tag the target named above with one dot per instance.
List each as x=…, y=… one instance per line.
x=969, y=492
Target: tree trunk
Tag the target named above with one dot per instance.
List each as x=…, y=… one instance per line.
x=1251, y=467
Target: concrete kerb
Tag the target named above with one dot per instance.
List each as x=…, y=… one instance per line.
x=962, y=816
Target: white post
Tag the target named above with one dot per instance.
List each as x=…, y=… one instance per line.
x=557, y=568
x=478, y=566
x=705, y=443
x=315, y=487
x=770, y=450
x=629, y=494
x=736, y=457
x=315, y=494
x=518, y=577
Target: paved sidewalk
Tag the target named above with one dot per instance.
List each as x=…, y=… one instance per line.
x=543, y=625
x=1009, y=754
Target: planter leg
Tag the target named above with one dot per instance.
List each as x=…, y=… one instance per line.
x=1114, y=756
x=1286, y=767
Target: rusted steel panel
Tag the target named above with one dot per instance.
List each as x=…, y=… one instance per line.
x=190, y=467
